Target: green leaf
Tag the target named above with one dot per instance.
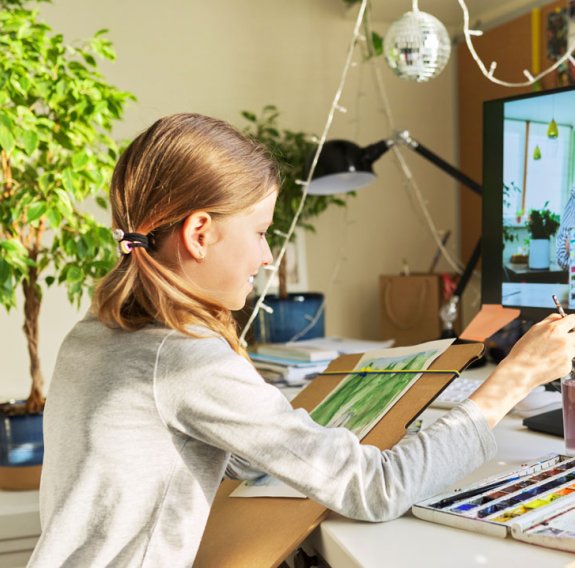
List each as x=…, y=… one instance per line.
x=101, y=202
x=35, y=211
x=54, y=218
x=6, y=120
x=69, y=179
x=6, y=138
x=30, y=141
x=377, y=43
x=74, y=274
x=249, y=116
x=79, y=160
x=89, y=59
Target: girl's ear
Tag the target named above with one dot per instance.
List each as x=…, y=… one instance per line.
x=194, y=234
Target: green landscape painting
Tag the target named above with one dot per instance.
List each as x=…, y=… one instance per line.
x=362, y=399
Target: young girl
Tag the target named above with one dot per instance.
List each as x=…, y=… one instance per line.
x=153, y=400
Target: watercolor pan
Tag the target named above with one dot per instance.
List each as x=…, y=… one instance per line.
x=516, y=504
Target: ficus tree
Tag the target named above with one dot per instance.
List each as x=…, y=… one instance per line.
x=56, y=116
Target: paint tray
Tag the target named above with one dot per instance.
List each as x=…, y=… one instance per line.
x=534, y=504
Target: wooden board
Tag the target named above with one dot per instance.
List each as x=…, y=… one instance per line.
x=261, y=532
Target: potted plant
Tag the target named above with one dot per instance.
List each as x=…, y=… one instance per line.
x=56, y=115
x=542, y=224
x=291, y=149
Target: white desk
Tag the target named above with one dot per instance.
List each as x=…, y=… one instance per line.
x=409, y=542
x=19, y=527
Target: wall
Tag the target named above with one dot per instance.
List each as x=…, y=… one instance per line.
x=223, y=56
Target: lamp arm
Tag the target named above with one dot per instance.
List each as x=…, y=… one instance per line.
x=405, y=138
x=374, y=151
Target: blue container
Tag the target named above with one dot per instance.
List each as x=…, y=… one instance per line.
x=21, y=439
x=289, y=318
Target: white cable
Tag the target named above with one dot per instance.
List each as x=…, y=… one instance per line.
x=489, y=73
x=455, y=264
x=334, y=106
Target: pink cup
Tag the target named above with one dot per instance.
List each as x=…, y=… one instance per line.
x=568, y=390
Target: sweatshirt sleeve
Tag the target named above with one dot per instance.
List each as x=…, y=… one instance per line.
x=239, y=468
x=206, y=391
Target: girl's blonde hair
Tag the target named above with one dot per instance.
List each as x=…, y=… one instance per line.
x=182, y=163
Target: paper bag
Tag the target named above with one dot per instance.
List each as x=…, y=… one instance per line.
x=410, y=308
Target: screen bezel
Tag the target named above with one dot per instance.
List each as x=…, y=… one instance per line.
x=492, y=204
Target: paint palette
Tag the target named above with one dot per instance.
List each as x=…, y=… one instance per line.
x=535, y=503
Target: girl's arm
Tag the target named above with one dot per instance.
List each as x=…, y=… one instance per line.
x=206, y=391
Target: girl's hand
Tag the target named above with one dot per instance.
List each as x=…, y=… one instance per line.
x=543, y=354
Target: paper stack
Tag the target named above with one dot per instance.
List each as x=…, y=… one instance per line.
x=291, y=363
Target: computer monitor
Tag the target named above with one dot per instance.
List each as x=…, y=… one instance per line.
x=528, y=204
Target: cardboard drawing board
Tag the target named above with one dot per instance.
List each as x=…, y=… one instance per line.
x=261, y=532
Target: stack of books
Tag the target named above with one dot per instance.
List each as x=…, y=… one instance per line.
x=291, y=363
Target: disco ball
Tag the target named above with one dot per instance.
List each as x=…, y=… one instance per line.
x=417, y=46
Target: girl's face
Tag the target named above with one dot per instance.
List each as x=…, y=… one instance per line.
x=235, y=249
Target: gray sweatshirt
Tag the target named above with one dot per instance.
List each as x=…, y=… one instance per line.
x=140, y=427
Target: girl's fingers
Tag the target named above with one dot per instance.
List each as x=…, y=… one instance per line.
x=566, y=324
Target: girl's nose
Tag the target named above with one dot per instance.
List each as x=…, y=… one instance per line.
x=267, y=256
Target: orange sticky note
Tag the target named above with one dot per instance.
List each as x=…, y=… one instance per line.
x=490, y=319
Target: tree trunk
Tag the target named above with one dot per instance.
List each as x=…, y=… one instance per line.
x=32, y=300
x=282, y=277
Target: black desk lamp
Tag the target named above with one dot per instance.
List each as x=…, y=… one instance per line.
x=344, y=166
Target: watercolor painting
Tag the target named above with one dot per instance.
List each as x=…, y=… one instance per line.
x=362, y=399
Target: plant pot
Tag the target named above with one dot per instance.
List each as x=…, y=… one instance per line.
x=289, y=318
x=539, y=254
x=21, y=448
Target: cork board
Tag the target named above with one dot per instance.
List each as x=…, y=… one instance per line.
x=261, y=532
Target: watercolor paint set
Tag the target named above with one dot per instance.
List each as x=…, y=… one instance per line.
x=535, y=504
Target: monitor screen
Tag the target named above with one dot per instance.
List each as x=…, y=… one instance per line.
x=528, y=241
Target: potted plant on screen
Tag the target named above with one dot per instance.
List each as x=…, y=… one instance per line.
x=56, y=115
x=542, y=224
x=291, y=149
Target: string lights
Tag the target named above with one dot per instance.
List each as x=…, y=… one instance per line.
x=489, y=73
x=335, y=106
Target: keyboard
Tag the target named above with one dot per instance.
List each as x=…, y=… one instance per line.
x=456, y=392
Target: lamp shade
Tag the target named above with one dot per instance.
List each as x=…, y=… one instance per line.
x=344, y=166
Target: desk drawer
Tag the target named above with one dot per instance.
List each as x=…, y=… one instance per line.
x=16, y=552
